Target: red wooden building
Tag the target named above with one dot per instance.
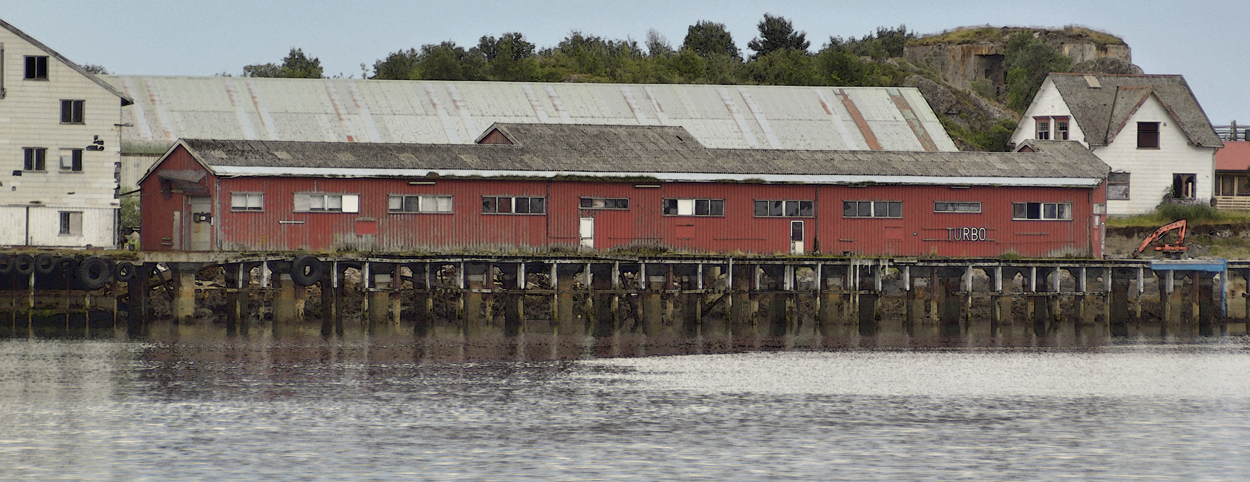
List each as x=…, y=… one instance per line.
x=539, y=186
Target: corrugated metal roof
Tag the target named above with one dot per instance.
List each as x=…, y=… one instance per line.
x=438, y=112
x=659, y=152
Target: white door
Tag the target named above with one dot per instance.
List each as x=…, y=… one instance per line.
x=586, y=230
x=201, y=223
x=796, y=237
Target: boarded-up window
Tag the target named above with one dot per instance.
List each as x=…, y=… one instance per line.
x=71, y=223
x=694, y=207
x=327, y=203
x=419, y=204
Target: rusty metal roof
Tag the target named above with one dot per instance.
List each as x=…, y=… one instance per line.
x=451, y=112
x=659, y=152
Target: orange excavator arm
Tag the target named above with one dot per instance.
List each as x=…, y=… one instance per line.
x=1178, y=226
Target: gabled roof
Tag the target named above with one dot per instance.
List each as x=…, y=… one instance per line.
x=1235, y=156
x=662, y=153
x=1104, y=106
x=126, y=100
x=456, y=112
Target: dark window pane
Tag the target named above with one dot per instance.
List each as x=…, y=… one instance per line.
x=865, y=209
x=792, y=208
x=537, y=205
x=587, y=203
x=718, y=207
x=880, y=209
x=796, y=230
x=774, y=208
x=896, y=209
x=670, y=207
x=488, y=205
x=1017, y=211
x=939, y=207
x=1035, y=211
x=849, y=209
x=522, y=205
x=412, y=204
x=807, y=208
x=77, y=160
x=761, y=208
x=701, y=207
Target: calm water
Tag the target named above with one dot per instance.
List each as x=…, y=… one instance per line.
x=370, y=411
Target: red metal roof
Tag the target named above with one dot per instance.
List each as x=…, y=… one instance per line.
x=1235, y=156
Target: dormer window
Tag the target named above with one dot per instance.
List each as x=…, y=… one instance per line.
x=1061, y=128
x=1043, y=127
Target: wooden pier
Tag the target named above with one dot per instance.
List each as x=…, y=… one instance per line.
x=667, y=296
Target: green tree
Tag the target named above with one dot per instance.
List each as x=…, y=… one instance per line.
x=707, y=38
x=657, y=45
x=1028, y=61
x=776, y=33
x=783, y=67
x=400, y=65
x=295, y=65
x=446, y=61
x=509, y=57
x=95, y=69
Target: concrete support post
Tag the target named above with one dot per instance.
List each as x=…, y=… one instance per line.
x=184, y=293
x=284, y=303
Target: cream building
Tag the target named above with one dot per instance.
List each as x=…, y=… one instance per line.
x=59, y=148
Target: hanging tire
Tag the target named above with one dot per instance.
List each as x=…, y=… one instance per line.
x=24, y=264
x=125, y=272
x=307, y=270
x=6, y=264
x=67, y=266
x=94, y=272
x=45, y=264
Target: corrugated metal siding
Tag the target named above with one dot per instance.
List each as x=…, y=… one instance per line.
x=919, y=232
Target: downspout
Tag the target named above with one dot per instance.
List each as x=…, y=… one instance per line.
x=28, y=225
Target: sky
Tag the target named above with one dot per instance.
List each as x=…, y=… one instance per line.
x=1202, y=40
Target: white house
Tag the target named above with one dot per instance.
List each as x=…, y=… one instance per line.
x=59, y=148
x=1149, y=128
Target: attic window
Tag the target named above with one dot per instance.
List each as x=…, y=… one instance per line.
x=1147, y=135
x=37, y=67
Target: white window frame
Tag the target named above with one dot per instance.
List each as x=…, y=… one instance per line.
x=425, y=203
x=247, y=201
x=322, y=202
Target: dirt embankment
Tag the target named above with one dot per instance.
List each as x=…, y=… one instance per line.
x=1216, y=240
